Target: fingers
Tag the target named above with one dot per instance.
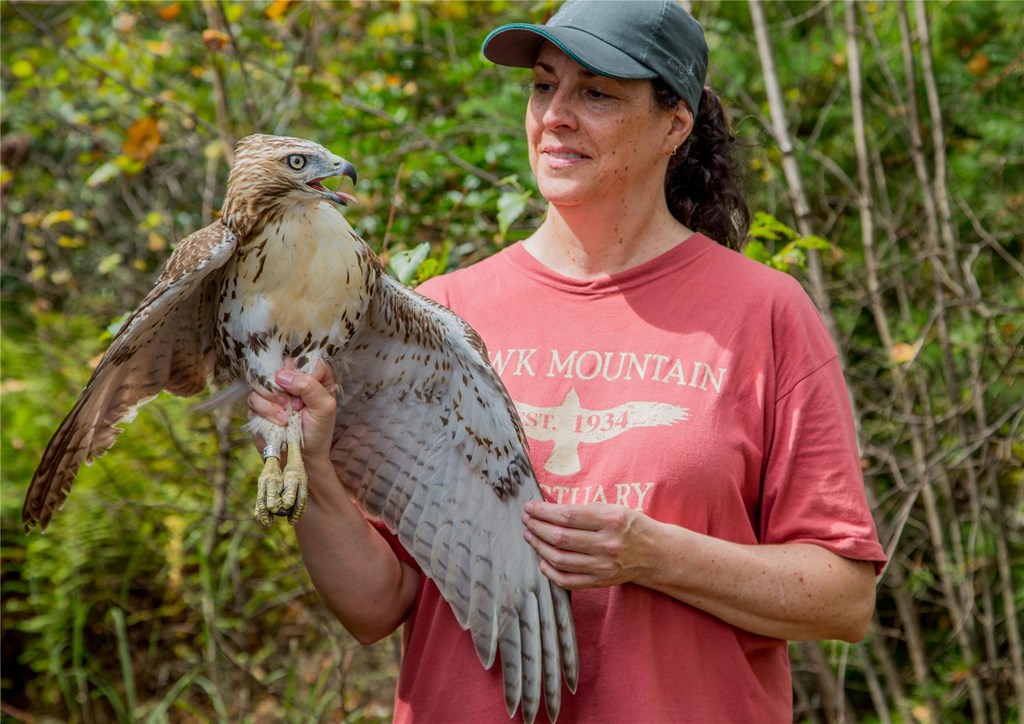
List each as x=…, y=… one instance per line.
x=581, y=546
x=314, y=391
x=273, y=408
x=323, y=374
x=558, y=535
x=297, y=386
x=583, y=517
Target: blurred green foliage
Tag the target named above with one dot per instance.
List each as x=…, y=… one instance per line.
x=154, y=596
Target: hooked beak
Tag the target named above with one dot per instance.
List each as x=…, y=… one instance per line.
x=339, y=197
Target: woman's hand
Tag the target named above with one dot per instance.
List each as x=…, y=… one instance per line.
x=795, y=591
x=353, y=567
x=313, y=394
x=588, y=546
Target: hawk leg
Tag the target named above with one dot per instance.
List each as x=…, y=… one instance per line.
x=296, y=489
x=282, y=492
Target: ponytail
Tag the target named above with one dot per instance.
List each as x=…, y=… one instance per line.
x=704, y=184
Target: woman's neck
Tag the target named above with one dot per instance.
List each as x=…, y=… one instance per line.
x=590, y=242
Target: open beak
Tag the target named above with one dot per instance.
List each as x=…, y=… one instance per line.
x=339, y=197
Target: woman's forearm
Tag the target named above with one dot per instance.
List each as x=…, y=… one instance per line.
x=355, y=571
x=796, y=591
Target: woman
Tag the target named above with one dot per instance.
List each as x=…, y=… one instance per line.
x=688, y=419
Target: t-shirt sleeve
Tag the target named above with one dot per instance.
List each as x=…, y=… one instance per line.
x=436, y=289
x=813, y=487
x=396, y=546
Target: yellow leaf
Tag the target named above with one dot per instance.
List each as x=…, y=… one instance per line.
x=455, y=9
x=22, y=69
x=213, y=150
x=901, y=352
x=31, y=219
x=57, y=217
x=278, y=8
x=922, y=713
x=234, y=12
x=125, y=22
x=109, y=263
x=215, y=40
x=143, y=139
x=169, y=12
x=60, y=277
x=979, y=65
x=161, y=48
x=406, y=21
x=153, y=219
x=155, y=242
x=70, y=242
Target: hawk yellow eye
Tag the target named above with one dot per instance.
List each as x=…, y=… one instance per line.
x=296, y=162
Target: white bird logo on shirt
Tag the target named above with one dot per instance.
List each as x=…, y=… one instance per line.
x=570, y=424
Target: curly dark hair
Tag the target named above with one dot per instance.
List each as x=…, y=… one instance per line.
x=705, y=183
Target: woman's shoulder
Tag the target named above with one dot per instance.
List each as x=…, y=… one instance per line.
x=744, y=276
x=475, y=278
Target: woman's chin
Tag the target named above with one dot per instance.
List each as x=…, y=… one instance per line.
x=561, y=193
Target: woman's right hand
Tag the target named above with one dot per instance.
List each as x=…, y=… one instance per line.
x=312, y=394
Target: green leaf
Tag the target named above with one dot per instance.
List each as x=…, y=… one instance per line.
x=109, y=263
x=102, y=175
x=511, y=206
x=814, y=242
x=406, y=263
x=767, y=227
x=757, y=251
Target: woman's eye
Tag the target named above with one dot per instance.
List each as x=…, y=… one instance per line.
x=596, y=94
x=296, y=161
x=541, y=87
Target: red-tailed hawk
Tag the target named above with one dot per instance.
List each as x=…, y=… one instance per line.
x=427, y=439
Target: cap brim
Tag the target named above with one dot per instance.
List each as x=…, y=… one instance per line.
x=519, y=44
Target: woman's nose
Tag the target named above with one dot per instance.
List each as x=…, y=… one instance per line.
x=560, y=111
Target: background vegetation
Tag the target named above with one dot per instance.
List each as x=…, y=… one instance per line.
x=892, y=130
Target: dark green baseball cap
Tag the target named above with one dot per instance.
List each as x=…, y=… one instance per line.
x=617, y=39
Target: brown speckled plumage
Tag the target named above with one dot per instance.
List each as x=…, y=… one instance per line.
x=427, y=440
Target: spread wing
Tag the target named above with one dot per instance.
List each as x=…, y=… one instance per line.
x=429, y=442
x=165, y=344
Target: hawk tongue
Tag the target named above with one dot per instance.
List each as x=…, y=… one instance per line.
x=339, y=197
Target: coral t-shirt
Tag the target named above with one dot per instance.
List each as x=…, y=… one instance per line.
x=700, y=388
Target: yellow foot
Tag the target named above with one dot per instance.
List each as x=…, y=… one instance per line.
x=295, y=480
x=268, y=491
x=295, y=488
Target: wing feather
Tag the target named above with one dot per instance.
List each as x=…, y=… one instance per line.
x=429, y=442
x=165, y=344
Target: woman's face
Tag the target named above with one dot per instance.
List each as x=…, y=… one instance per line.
x=593, y=138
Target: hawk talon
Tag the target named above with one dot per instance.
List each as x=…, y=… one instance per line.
x=295, y=488
x=268, y=491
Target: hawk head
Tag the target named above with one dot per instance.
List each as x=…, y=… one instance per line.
x=271, y=173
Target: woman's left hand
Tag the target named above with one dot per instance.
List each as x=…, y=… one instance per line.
x=795, y=591
x=589, y=546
